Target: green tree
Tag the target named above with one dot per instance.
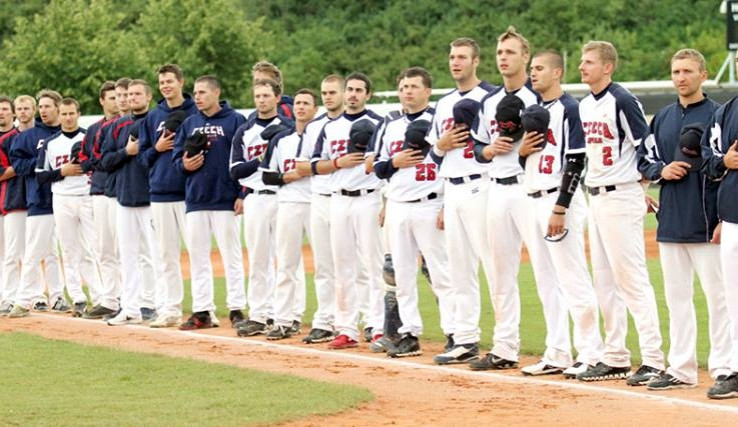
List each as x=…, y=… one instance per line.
x=211, y=37
x=71, y=47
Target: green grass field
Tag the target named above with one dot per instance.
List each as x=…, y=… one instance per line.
x=61, y=383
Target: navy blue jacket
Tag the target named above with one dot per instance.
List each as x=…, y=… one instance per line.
x=89, y=157
x=23, y=155
x=210, y=187
x=131, y=177
x=13, y=190
x=167, y=182
x=688, y=207
x=717, y=139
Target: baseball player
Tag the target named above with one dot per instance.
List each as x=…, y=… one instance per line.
x=614, y=126
x=720, y=152
x=414, y=203
x=331, y=92
x=687, y=219
x=40, y=242
x=167, y=185
x=59, y=164
x=102, y=211
x=211, y=201
x=136, y=243
x=355, y=205
x=293, y=215
x=9, y=194
x=465, y=201
x=554, y=160
x=510, y=219
x=259, y=206
x=25, y=111
x=265, y=70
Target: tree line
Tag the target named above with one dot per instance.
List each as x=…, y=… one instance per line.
x=74, y=45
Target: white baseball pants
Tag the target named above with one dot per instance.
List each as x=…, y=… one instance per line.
x=41, y=245
x=728, y=255
x=259, y=225
x=137, y=248
x=324, y=279
x=106, y=246
x=200, y=227
x=169, y=226
x=293, y=222
x=14, y=236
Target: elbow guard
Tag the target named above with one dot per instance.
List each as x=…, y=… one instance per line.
x=570, y=181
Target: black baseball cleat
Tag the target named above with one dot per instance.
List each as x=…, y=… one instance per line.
x=296, y=327
x=79, y=309
x=279, y=333
x=603, y=372
x=724, y=389
x=98, y=312
x=668, y=382
x=449, y=343
x=368, y=334
x=235, y=316
x=643, y=376
x=318, y=335
x=406, y=347
x=251, y=328
x=490, y=361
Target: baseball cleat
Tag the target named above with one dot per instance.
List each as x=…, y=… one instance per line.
x=317, y=335
x=79, y=309
x=18, y=311
x=166, y=321
x=296, y=327
x=577, y=368
x=643, y=376
x=235, y=316
x=124, y=319
x=725, y=389
x=541, y=368
x=41, y=306
x=406, y=347
x=461, y=353
x=61, y=306
x=668, y=382
x=342, y=342
x=490, y=361
x=98, y=312
x=603, y=372
x=148, y=314
x=279, y=333
x=251, y=328
x=198, y=320
x=6, y=308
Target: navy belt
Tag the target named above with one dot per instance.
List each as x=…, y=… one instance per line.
x=510, y=180
x=539, y=194
x=431, y=196
x=355, y=193
x=463, y=179
x=269, y=192
x=325, y=195
x=594, y=191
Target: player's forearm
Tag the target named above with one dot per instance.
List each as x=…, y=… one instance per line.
x=324, y=167
x=8, y=173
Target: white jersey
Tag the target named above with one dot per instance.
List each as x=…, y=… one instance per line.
x=332, y=143
x=413, y=183
x=460, y=162
x=486, y=131
x=252, y=148
x=614, y=126
x=319, y=184
x=55, y=153
x=544, y=169
x=281, y=157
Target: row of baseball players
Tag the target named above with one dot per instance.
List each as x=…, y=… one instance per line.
x=485, y=219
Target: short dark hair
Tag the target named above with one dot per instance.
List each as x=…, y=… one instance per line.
x=210, y=80
x=70, y=101
x=419, y=72
x=305, y=91
x=556, y=59
x=123, y=82
x=361, y=77
x=271, y=83
x=333, y=78
x=51, y=94
x=105, y=88
x=9, y=100
x=171, y=68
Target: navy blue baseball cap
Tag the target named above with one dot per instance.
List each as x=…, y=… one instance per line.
x=465, y=111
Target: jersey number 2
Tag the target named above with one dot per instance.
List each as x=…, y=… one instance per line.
x=607, y=156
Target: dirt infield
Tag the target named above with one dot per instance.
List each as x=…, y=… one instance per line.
x=408, y=392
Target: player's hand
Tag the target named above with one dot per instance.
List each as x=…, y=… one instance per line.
x=165, y=142
x=556, y=222
x=652, y=206
x=731, y=157
x=675, y=171
x=439, y=220
x=193, y=163
x=350, y=160
x=303, y=168
x=406, y=158
x=132, y=146
x=456, y=137
x=717, y=234
x=530, y=143
x=501, y=145
x=71, y=169
x=238, y=207
x=369, y=164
